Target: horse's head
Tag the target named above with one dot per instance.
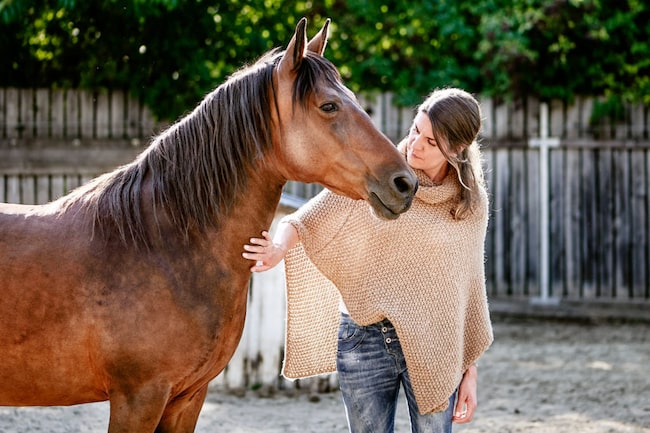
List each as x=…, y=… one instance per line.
x=324, y=136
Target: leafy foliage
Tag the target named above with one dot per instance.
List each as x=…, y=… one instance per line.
x=171, y=52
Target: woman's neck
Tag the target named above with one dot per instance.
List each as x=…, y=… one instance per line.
x=438, y=175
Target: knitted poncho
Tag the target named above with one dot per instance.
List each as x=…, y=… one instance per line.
x=423, y=271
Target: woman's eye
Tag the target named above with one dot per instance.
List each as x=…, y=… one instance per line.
x=329, y=107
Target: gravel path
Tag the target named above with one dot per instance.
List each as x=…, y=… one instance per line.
x=538, y=377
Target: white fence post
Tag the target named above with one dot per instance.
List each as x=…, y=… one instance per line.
x=544, y=142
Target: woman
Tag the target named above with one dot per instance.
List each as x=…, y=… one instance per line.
x=402, y=302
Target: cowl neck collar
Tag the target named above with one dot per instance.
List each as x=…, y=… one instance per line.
x=433, y=193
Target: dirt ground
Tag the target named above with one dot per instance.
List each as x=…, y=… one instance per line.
x=538, y=377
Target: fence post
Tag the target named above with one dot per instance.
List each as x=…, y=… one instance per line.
x=544, y=142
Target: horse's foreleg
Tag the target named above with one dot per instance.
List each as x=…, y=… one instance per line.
x=182, y=413
x=139, y=410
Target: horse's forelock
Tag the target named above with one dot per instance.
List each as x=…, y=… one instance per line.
x=312, y=69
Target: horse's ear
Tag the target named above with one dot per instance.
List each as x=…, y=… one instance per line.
x=296, y=49
x=318, y=42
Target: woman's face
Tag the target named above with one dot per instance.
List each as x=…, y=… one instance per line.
x=422, y=151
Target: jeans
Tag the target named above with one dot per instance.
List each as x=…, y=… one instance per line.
x=371, y=367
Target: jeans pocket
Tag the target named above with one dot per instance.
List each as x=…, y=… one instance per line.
x=350, y=336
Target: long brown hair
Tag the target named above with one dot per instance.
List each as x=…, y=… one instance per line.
x=455, y=117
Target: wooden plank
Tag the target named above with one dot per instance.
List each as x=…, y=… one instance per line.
x=488, y=161
x=487, y=111
x=601, y=144
x=588, y=224
x=533, y=223
x=517, y=119
x=72, y=181
x=57, y=113
x=517, y=242
x=621, y=183
x=623, y=128
x=133, y=119
x=556, y=119
x=249, y=345
x=557, y=212
x=501, y=226
x=37, y=156
x=637, y=121
x=14, y=126
x=391, y=124
x=118, y=114
x=42, y=113
x=531, y=129
x=604, y=230
x=87, y=177
x=500, y=121
x=271, y=295
x=639, y=258
x=73, y=110
x=3, y=113
x=407, y=116
x=88, y=114
x=647, y=165
x=27, y=112
x=586, y=109
x=572, y=219
x=574, y=127
x=12, y=189
x=149, y=126
x=102, y=119
x=27, y=189
x=42, y=189
x=57, y=186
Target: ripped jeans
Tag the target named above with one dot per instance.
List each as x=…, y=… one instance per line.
x=371, y=368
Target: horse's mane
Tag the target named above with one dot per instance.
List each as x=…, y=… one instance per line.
x=198, y=165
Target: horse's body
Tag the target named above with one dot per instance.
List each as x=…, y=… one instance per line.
x=132, y=288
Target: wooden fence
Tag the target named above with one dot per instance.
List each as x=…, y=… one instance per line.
x=598, y=196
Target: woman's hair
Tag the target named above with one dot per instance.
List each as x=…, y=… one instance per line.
x=455, y=117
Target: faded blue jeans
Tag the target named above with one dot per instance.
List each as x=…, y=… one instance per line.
x=371, y=368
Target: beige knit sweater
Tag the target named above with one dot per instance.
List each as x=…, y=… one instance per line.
x=423, y=271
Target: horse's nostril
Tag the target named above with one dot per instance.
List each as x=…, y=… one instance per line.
x=405, y=184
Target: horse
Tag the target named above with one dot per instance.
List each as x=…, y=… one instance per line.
x=132, y=287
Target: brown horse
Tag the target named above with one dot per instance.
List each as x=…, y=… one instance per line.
x=132, y=288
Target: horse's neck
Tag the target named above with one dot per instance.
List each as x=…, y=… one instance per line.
x=252, y=213
x=258, y=205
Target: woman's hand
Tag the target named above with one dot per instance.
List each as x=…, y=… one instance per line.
x=466, y=401
x=264, y=252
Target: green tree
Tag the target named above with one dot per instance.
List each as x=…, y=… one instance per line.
x=559, y=49
x=171, y=52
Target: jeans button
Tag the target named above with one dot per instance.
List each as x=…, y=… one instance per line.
x=384, y=329
x=388, y=340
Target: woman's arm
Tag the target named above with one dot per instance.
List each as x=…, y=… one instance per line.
x=466, y=401
x=267, y=252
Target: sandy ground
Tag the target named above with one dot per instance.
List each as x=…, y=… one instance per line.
x=538, y=377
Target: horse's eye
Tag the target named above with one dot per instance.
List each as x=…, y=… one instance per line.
x=329, y=107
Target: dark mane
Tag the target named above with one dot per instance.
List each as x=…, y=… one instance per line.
x=198, y=166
